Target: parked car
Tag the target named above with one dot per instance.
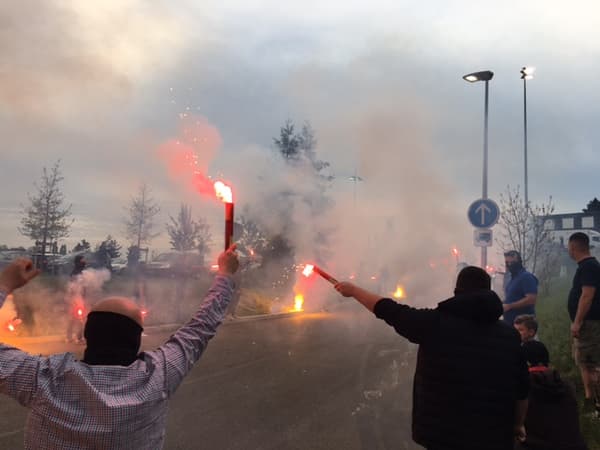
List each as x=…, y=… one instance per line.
x=7, y=256
x=176, y=263
x=118, y=265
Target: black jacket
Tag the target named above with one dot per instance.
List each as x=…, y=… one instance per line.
x=552, y=421
x=470, y=371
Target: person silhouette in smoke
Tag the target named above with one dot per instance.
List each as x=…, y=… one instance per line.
x=75, y=300
x=471, y=380
x=116, y=397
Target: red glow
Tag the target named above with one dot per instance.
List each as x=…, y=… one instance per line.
x=373, y=277
x=80, y=312
x=223, y=192
x=189, y=154
x=11, y=327
x=455, y=251
x=214, y=267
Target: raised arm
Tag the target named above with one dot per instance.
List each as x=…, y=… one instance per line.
x=17, y=274
x=18, y=370
x=414, y=324
x=184, y=348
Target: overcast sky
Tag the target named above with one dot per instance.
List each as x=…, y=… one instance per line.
x=102, y=85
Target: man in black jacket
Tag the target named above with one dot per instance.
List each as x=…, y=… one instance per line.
x=471, y=380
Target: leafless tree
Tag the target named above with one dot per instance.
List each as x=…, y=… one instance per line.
x=140, y=222
x=524, y=228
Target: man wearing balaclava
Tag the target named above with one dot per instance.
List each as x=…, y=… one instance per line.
x=116, y=397
x=520, y=293
x=471, y=381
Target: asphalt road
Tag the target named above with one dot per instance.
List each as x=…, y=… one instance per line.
x=331, y=380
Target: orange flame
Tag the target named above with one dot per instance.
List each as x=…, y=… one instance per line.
x=13, y=323
x=399, y=292
x=298, y=302
x=308, y=270
x=223, y=192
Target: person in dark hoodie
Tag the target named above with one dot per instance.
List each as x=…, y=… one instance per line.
x=471, y=381
x=552, y=420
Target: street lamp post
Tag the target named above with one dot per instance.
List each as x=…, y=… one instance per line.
x=526, y=74
x=474, y=77
x=355, y=179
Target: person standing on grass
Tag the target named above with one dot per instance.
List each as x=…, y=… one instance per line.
x=584, y=311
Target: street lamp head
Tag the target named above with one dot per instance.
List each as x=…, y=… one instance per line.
x=485, y=75
x=527, y=73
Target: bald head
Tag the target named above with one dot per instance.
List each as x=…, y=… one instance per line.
x=120, y=305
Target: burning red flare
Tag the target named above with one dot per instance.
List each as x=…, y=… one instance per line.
x=310, y=268
x=12, y=324
x=225, y=194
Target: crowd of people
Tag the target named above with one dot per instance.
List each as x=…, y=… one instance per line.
x=483, y=380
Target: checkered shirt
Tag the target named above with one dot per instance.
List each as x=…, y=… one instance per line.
x=78, y=406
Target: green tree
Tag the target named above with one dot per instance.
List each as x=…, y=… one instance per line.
x=184, y=230
x=187, y=234
x=46, y=218
x=107, y=250
x=82, y=246
x=288, y=143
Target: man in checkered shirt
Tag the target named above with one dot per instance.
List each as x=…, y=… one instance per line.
x=114, y=398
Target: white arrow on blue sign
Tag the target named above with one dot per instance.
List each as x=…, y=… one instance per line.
x=483, y=213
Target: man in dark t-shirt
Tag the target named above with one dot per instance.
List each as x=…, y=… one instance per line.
x=584, y=310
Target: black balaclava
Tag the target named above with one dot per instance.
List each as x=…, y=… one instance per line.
x=515, y=267
x=112, y=339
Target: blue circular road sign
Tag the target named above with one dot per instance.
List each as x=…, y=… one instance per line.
x=483, y=213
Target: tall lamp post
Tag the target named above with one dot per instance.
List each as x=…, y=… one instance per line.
x=474, y=77
x=526, y=74
x=355, y=179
